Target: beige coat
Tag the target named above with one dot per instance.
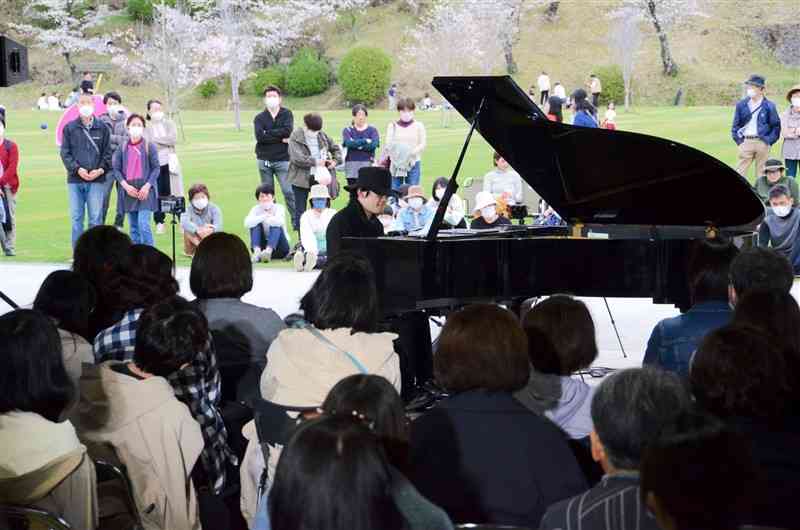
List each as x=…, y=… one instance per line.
x=300, y=372
x=154, y=435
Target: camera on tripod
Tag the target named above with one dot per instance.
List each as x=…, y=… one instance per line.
x=172, y=204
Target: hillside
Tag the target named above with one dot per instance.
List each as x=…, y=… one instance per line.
x=714, y=52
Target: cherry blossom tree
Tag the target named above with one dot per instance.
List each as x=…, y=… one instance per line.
x=625, y=42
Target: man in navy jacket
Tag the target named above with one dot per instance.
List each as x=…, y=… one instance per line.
x=756, y=126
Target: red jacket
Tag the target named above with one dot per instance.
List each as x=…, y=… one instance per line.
x=9, y=158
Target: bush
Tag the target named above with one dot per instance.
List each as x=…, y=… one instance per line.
x=143, y=9
x=208, y=89
x=272, y=76
x=613, y=85
x=307, y=74
x=364, y=75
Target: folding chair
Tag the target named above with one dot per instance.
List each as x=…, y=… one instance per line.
x=13, y=517
x=107, y=472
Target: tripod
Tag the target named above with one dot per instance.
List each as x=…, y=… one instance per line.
x=174, y=222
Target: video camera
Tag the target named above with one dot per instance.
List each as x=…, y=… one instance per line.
x=172, y=204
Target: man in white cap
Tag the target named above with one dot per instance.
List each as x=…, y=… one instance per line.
x=415, y=216
x=313, y=229
x=486, y=206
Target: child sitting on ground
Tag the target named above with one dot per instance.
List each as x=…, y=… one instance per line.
x=610, y=118
x=313, y=229
x=267, y=224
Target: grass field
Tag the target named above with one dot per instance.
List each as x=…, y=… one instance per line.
x=223, y=158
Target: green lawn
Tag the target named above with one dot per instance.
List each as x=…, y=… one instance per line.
x=222, y=158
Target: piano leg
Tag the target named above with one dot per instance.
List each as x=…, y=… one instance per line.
x=415, y=351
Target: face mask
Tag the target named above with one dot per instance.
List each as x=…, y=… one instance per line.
x=415, y=202
x=439, y=193
x=782, y=211
x=751, y=92
x=489, y=212
x=272, y=102
x=86, y=110
x=157, y=116
x=319, y=204
x=796, y=103
x=135, y=131
x=200, y=203
x=113, y=110
x=406, y=116
x=267, y=204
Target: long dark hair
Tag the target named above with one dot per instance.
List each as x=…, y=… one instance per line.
x=69, y=299
x=333, y=474
x=555, y=104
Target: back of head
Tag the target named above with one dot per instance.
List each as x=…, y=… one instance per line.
x=697, y=474
x=170, y=334
x=709, y=270
x=147, y=278
x=100, y=252
x=738, y=372
x=760, y=269
x=561, y=335
x=68, y=298
x=333, y=474
x=482, y=347
x=629, y=407
x=221, y=268
x=32, y=373
x=343, y=296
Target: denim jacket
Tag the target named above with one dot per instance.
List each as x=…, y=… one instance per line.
x=675, y=339
x=769, y=122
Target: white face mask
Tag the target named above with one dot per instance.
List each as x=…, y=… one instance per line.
x=439, y=193
x=406, y=116
x=267, y=204
x=135, y=131
x=86, y=110
x=157, y=116
x=415, y=202
x=113, y=110
x=751, y=92
x=782, y=211
x=200, y=203
x=272, y=102
x=489, y=212
x=796, y=103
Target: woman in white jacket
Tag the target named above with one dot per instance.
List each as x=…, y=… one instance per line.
x=313, y=230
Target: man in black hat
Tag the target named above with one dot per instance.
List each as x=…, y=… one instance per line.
x=756, y=126
x=360, y=217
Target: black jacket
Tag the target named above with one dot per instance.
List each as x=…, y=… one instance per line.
x=351, y=221
x=78, y=152
x=485, y=458
x=270, y=134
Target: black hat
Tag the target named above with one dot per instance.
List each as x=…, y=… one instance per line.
x=756, y=80
x=373, y=178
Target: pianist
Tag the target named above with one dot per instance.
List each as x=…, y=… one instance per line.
x=360, y=217
x=486, y=206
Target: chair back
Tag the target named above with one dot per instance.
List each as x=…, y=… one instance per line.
x=13, y=517
x=108, y=471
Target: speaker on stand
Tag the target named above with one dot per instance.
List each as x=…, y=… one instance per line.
x=13, y=62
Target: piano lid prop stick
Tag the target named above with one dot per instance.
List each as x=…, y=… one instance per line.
x=452, y=185
x=614, y=325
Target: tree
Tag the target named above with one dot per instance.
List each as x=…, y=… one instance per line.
x=64, y=26
x=625, y=41
x=349, y=10
x=664, y=15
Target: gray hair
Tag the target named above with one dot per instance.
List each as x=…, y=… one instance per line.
x=630, y=407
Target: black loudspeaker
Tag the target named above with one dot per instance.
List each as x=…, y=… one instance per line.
x=13, y=62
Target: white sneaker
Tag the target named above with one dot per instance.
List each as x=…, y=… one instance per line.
x=311, y=261
x=160, y=228
x=266, y=255
x=298, y=260
x=256, y=257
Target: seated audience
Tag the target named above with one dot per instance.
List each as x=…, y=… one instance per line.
x=486, y=212
x=696, y=474
x=387, y=219
x=773, y=176
x=674, y=340
x=201, y=219
x=41, y=103
x=779, y=229
x=758, y=269
x=221, y=275
x=414, y=216
x=740, y=375
x=503, y=182
x=42, y=462
x=313, y=230
x=561, y=341
x=480, y=454
x=628, y=410
x=267, y=224
x=145, y=280
x=454, y=215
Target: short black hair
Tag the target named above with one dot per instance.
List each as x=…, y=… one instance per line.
x=198, y=188
x=32, y=373
x=112, y=95
x=440, y=182
x=149, y=103
x=272, y=88
x=69, y=299
x=170, y=334
x=358, y=107
x=760, y=268
x=99, y=254
x=406, y=104
x=709, y=269
x=343, y=296
x=266, y=189
x=313, y=121
x=779, y=190
x=221, y=268
x=561, y=335
x=135, y=116
x=629, y=407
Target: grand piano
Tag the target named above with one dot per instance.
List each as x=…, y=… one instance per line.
x=634, y=204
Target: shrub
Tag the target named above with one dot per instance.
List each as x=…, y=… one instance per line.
x=364, y=74
x=208, y=89
x=307, y=74
x=143, y=9
x=274, y=76
x=613, y=85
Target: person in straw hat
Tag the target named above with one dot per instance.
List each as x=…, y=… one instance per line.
x=790, y=130
x=313, y=228
x=486, y=209
x=414, y=216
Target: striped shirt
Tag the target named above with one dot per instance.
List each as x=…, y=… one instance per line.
x=613, y=504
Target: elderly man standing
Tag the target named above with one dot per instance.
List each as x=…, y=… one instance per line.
x=756, y=126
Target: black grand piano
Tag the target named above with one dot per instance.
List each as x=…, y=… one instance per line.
x=633, y=204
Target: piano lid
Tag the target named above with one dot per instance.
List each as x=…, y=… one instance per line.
x=601, y=176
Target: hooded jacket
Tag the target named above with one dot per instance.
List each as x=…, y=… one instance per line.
x=154, y=436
